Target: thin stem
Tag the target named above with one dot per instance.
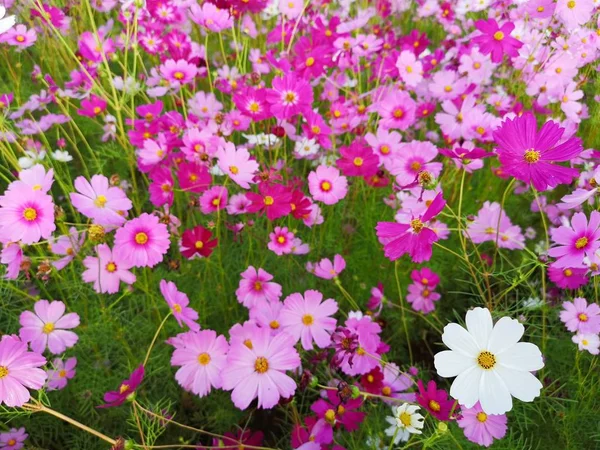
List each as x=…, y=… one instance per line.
x=155, y=337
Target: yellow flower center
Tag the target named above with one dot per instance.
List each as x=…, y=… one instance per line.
x=540, y=9
x=310, y=61
x=581, y=242
x=48, y=328
x=330, y=416
x=571, y=4
x=315, y=129
x=480, y=130
x=3, y=371
x=416, y=166
x=386, y=391
x=476, y=65
x=486, y=360
x=199, y=245
x=482, y=417
x=257, y=286
x=269, y=200
x=274, y=325
x=584, y=342
x=100, y=201
x=233, y=169
x=254, y=107
x=567, y=272
x=20, y=38
x=281, y=239
x=498, y=35
x=360, y=351
x=37, y=187
x=248, y=343
x=11, y=442
x=111, y=267
x=177, y=308
x=448, y=88
x=416, y=225
x=261, y=365
x=405, y=419
x=384, y=149
x=178, y=75
x=141, y=238
x=216, y=201
x=358, y=161
x=434, y=406
x=325, y=186
x=583, y=317
x=307, y=319
x=204, y=358
x=398, y=113
x=123, y=388
x=290, y=97
x=29, y=214
x=532, y=156
x=62, y=373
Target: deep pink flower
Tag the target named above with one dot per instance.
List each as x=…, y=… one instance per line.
x=202, y=358
x=127, y=387
x=579, y=240
x=372, y=382
x=178, y=72
x=434, y=400
x=335, y=412
x=482, y=428
x=530, y=155
x=193, y=177
x=496, y=40
x=178, y=302
x=327, y=185
x=308, y=319
x=358, y=160
x=143, y=241
x=107, y=270
x=161, y=188
x=214, y=199
x=92, y=107
x=61, y=373
x=274, y=199
x=281, y=241
x=19, y=371
x=256, y=285
x=104, y=204
x=197, y=242
x=252, y=103
x=26, y=216
x=580, y=317
x=289, y=96
x=48, y=327
x=260, y=371
x=568, y=278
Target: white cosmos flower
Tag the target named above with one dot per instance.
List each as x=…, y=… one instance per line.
x=62, y=156
x=490, y=364
x=405, y=421
x=6, y=23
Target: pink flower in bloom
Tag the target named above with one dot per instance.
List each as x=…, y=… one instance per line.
x=335, y=412
x=530, y=155
x=202, y=359
x=274, y=199
x=358, y=160
x=36, y=178
x=237, y=164
x=126, y=388
x=434, y=400
x=579, y=240
x=19, y=371
x=92, y=107
x=364, y=333
x=259, y=372
x=104, y=204
x=26, y=216
x=48, y=326
x=422, y=297
x=19, y=36
x=161, y=188
x=178, y=72
x=142, y=242
x=569, y=278
x=178, y=302
x=256, y=285
x=396, y=383
x=61, y=372
x=211, y=17
x=307, y=318
x=484, y=228
x=496, y=40
x=412, y=159
x=327, y=185
x=281, y=241
x=213, y=200
x=482, y=428
x=107, y=270
x=67, y=245
x=193, y=177
x=13, y=439
x=415, y=238
x=12, y=256
x=580, y=317
x=290, y=96
x=327, y=270
x=397, y=110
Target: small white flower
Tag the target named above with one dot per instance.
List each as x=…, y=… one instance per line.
x=490, y=364
x=262, y=139
x=31, y=158
x=62, y=156
x=306, y=147
x=589, y=342
x=405, y=421
x=532, y=303
x=6, y=23
x=216, y=171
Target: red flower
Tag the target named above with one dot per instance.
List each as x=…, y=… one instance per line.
x=197, y=241
x=372, y=381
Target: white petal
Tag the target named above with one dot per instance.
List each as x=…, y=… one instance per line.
x=449, y=363
x=493, y=394
x=465, y=387
x=521, y=356
x=458, y=339
x=505, y=334
x=522, y=385
x=479, y=324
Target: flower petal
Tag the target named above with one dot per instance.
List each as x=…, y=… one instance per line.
x=494, y=396
x=505, y=334
x=460, y=340
x=522, y=356
x=479, y=324
x=449, y=363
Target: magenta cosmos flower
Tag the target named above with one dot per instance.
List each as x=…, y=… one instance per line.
x=107, y=270
x=178, y=302
x=61, y=373
x=273, y=199
x=308, y=318
x=19, y=371
x=178, y=72
x=48, y=327
x=327, y=185
x=202, y=358
x=197, y=242
x=580, y=317
x=281, y=241
x=434, y=400
x=290, y=96
x=496, y=40
x=259, y=372
x=256, y=285
x=13, y=439
x=482, y=428
x=334, y=412
x=104, y=204
x=576, y=242
x=26, y=215
x=142, y=241
x=237, y=164
x=127, y=387
x=530, y=155
x=415, y=238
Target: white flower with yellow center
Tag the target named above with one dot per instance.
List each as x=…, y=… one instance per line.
x=405, y=421
x=490, y=364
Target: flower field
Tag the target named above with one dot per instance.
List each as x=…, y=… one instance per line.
x=318, y=225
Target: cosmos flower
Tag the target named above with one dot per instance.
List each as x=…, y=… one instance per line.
x=126, y=388
x=107, y=270
x=26, y=215
x=580, y=317
x=96, y=199
x=61, y=373
x=142, y=242
x=577, y=241
x=19, y=371
x=13, y=439
x=404, y=422
x=496, y=40
x=482, y=428
x=178, y=302
x=236, y=163
x=197, y=242
x=327, y=185
x=256, y=285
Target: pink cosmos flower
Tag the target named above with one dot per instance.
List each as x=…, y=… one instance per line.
x=214, y=200
x=13, y=439
x=307, y=318
x=256, y=285
x=281, y=241
x=396, y=383
x=327, y=270
x=252, y=103
x=92, y=106
x=266, y=315
x=587, y=341
x=67, y=245
x=496, y=40
x=104, y=204
x=327, y=185
x=493, y=225
x=107, y=270
x=335, y=412
x=19, y=36
x=153, y=151
x=435, y=400
x=61, y=372
x=397, y=110
x=48, y=326
x=289, y=96
x=422, y=297
x=178, y=72
x=26, y=215
x=202, y=359
x=178, y=302
x=413, y=159
x=193, y=177
x=357, y=346
x=197, y=242
x=211, y=17
x=161, y=188
x=580, y=317
x=36, y=178
x=410, y=68
x=236, y=163
x=482, y=428
x=259, y=372
x=126, y=388
x=358, y=160
x=530, y=155
x=12, y=256
x=569, y=278
x=243, y=333
x=579, y=240
x=142, y=242
x=19, y=371
x=274, y=199
x=415, y=238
